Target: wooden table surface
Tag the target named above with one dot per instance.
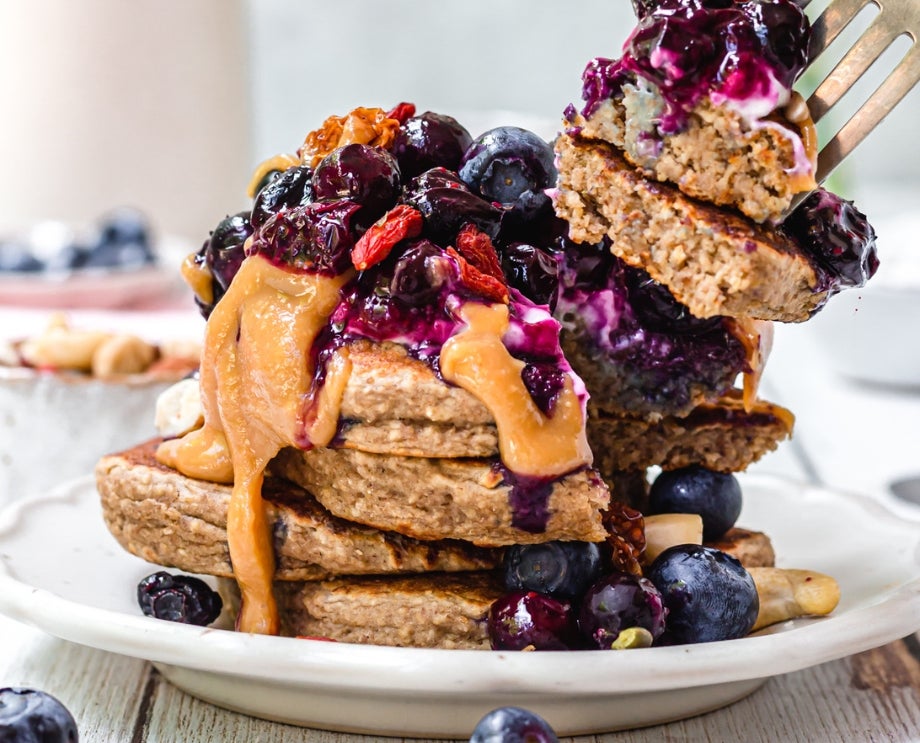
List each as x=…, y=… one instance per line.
x=848, y=436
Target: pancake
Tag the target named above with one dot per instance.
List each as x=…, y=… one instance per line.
x=713, y=260
x=166, y=518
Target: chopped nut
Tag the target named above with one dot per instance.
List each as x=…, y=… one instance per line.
x=668, y=529
x=62, y=347
x=787, y=593
x=122, y=354
x=178, y=409
x=362, y=126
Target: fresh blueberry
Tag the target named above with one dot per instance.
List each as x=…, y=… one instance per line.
x=17, y=257
x=708, y=594
x=118, y=255
x=617, y=602
x=527, y=619
x=224, y=252
x=430, y=140
x=69, y=258
x=124, y=226
x=715, y=496
x=369, y=176
x=294, y=187
x=513, y=725
x=33, y=716
x=508, y=164
x=562, y=570
x=178, y=598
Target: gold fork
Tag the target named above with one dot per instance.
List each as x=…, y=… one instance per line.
x=896, y=18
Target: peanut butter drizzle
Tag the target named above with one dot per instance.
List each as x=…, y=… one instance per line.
x=797, y=113
x=277, y=162
x=198, y=277
x=530, y=442
x=256, y=375
x=756, y=336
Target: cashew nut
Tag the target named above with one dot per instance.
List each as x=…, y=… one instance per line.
x=62, y=347
x=787, y=593
x=122, y=354
x=668, y=529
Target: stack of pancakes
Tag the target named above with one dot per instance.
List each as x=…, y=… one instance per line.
x=393, y=534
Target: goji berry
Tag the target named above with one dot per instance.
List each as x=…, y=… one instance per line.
x=480, y=283
x=402, y=111
x=373, y=246
x=476, y=246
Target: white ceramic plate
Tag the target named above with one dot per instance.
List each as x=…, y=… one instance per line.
x=62, y=572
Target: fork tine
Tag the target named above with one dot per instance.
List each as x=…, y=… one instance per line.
x=879, y=105
x=876, y=39
x=831, y=22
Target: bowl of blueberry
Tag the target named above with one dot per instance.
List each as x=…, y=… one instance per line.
x=116, y=262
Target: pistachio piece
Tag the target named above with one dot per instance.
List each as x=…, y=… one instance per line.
x=787, y=593
x=668, y=529
x=632, y=637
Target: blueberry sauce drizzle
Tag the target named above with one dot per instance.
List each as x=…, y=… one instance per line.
x=744, y=53
x=837, y=237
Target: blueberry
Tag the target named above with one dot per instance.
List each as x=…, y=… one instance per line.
x=366, y=175
x=715, y=496
x=708, y=594
x=33, y=716
x=70, y=258
x=224, y=248
x=617, y=602
x=430, y=140
x=419, y=274
x=513, y=725
x=294, y=187
x=511, y=166
x=532, y=271
x=527, y=619
x=562, y=570
x=118, y=255
x=656, y=308
x=178, y=598
x=446, y=205
x=315, y=237
x=837, y=235
x=124, y=226
x=17, y=257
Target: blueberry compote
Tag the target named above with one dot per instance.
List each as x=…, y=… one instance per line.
x=639, y=347
x=428, y=242
x=746, y=53
x=838, y=238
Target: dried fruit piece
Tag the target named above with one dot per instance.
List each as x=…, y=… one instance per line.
x=626, y=529
x=399, y=223
x=361, y=126
x=478, y=282
x=402, y=112
x=476, y=246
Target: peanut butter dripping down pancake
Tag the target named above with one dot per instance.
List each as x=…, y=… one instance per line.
x=258, y=397
x=256, y=372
